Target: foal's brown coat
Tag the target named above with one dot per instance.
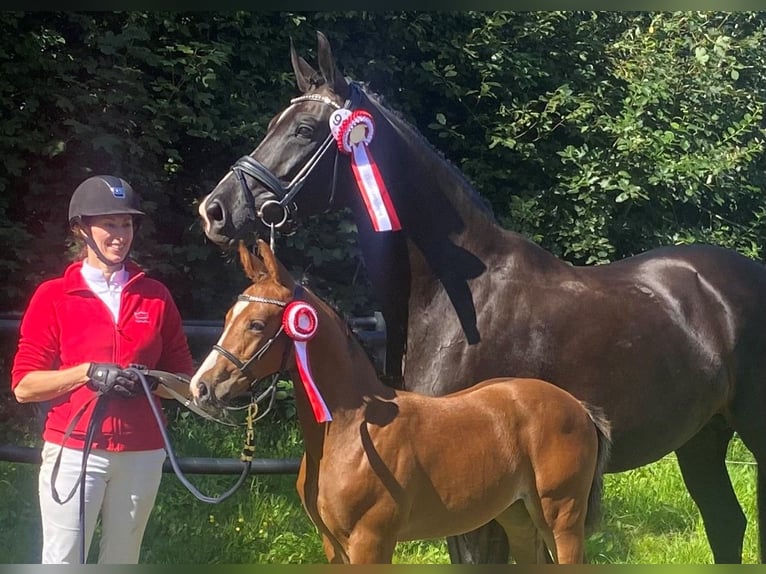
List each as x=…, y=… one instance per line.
x=394, y=465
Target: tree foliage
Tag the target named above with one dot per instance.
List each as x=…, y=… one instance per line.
x=597, y=134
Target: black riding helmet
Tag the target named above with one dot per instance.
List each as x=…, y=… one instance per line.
x=103, y=195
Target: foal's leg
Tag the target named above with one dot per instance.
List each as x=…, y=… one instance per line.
x=566, y=519
x=368, y=546
x=524, y=539
x=570, y=541
x=702, y=461
x=485, y=545
x=334, y=552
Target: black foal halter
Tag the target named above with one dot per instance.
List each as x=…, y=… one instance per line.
x=243, y=366
x=249, y=166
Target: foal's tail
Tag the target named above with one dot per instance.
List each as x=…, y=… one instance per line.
x=604, y=433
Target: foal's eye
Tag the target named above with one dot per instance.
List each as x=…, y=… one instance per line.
x=256, y=325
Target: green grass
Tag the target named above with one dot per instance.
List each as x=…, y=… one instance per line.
x=648, y=515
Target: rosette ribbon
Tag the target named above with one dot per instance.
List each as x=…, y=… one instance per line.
x=353, y=132
x=300, y=322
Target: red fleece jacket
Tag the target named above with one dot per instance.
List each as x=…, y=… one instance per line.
x=66, y=324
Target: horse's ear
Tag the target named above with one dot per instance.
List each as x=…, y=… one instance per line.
x=303, y=71
x=273, y=266
x=253, y=266
x=328, y=68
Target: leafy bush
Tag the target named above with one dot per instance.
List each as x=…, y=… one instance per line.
x=598, y=134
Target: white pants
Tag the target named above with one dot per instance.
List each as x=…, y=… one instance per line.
x=122, y=486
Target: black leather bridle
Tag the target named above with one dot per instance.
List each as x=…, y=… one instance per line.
x=249, y=166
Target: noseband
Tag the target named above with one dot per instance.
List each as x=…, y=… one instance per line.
x=247, y=165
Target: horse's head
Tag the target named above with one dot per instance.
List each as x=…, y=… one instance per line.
x=252, y=345
x=262, y=189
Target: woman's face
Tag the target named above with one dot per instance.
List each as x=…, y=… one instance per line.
x=113, y=235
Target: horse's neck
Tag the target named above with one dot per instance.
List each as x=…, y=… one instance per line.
x=449, y=236
x=431, y=193
x=436, y=204
x=343, y=373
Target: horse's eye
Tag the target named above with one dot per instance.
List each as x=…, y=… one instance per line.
x=256, y=325
x=304, y=131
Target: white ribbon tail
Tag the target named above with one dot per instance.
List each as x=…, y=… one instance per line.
x=318, y=406
x=374, y=191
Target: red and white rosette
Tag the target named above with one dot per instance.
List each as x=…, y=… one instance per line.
x=300, y=322
x=353, y=132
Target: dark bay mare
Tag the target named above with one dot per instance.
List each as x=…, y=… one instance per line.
x=670, y=343
x=363, y=481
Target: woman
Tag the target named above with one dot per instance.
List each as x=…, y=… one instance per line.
x=78, y=334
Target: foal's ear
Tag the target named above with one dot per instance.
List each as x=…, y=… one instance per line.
x=269, y=260
x=253, y=266
x=328, y=67
x=303, y=71
x=273, y=266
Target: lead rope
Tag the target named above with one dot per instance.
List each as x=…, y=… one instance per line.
x=248, y=450
x=246, y=460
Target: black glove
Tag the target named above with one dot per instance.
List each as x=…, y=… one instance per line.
x=152, y=381
x=111, y=379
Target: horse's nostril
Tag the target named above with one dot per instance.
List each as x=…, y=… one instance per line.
x=214, y=211
x=202, y=389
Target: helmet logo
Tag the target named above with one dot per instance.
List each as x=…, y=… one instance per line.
x=118, y=191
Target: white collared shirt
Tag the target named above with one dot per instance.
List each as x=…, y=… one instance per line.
x=108, y=292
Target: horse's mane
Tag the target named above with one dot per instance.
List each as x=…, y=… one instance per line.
x=474, y=195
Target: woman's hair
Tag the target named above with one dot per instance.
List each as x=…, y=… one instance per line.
x=76, y=246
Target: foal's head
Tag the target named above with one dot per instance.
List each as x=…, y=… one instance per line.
x=253, y=344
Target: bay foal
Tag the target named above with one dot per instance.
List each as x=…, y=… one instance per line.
x=393, y=465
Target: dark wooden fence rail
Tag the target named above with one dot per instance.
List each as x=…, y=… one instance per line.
x=188, y=465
